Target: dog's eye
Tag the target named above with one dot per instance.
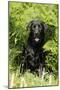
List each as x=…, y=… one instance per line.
x=38, y=25
x=34, y=26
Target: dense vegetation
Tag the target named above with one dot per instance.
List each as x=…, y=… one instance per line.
x=20, y=14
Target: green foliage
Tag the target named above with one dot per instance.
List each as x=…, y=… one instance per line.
x=20, y=14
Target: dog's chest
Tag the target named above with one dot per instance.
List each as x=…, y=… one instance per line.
x=35, y=59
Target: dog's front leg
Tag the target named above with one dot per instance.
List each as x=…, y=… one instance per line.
x=23, y=66
x=40, y=70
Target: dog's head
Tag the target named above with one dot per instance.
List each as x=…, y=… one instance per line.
x=36, y=28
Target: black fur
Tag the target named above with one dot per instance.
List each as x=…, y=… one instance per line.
x=33, y=54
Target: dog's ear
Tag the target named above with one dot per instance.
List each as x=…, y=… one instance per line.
x=45, y=26
x=29, y=26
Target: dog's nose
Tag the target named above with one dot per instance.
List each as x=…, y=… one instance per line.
x=36, y=32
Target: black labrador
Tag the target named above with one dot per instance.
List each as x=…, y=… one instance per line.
x=33, y=54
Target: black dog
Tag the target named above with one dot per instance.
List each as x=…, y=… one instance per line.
x=33, y=54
